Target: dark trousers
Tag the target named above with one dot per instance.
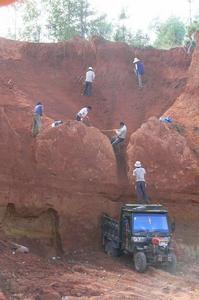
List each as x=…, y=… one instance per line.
x=78, y=118
x=116, y=140
x=141, y=192
x=88, y=88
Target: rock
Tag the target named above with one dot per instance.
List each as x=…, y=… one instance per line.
x=22, y=249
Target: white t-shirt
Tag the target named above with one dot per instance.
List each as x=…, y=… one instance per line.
x=83, y=112
x=122, y=132
x=139, y=174
x=90, y=76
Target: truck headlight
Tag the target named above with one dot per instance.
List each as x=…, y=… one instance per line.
x=139, y=239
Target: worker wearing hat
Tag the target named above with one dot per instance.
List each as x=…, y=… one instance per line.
x=90, y=77
x=139, y=70
x=139, y=173
x=37, y=118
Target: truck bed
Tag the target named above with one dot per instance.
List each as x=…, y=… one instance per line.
x=110, y=229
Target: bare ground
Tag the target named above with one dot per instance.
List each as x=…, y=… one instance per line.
x=91, y=275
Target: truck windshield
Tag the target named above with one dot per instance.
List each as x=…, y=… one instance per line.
x=150, y=223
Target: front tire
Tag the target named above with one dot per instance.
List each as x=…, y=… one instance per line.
x=140, y=262
x=172, y=265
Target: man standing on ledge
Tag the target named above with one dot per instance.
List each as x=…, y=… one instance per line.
x=140, y=186
x=37, y=122
x=90, y=77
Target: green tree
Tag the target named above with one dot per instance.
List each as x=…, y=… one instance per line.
x=122, y=33
x=62, y=19
x=31, y=15
x=139, y=39
x=100, y=27
x=68, y=18
x=169, y=33
x=83, y=14
x=193, y=27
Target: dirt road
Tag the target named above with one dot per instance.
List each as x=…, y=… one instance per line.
x=91, y=275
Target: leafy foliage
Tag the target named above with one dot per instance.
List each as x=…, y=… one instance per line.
x=139, y=39
x=193, y=27
x=31, y=22
x=170, y=33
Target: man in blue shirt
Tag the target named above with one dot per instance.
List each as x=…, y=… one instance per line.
x=37, y=122
x=139, y=71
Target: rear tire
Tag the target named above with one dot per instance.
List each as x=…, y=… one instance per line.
x=110, y=249
x=140, y=262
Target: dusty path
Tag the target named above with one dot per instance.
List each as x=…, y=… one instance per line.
x=91, y=276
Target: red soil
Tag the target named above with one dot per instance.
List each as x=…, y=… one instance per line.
x=53, y=189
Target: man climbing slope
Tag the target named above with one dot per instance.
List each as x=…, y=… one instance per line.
x=90, y=77
x=120, y=134
x=139, y=71
x=140, y=186
x=37, y=119
x=83, y=113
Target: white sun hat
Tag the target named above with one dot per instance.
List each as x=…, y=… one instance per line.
x=136, y=60
x=90, y=68
x=138, y=164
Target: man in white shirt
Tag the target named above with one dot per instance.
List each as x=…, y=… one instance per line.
x=140, y=186
x=56, y=124
x=90, y=77
x=120, y=134
x=83, y=113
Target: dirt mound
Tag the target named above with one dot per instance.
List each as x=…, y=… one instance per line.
x=168, y=157
x=55, y=188
x=61, y=193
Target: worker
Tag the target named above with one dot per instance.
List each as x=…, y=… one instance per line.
x=37, y=118
x=139, y=173
x=166, y=119
x=57, y=123
x=120, y=134
x=139, y=70
x=83, y=113
x=90, y=77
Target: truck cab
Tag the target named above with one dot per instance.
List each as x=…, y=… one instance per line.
x=144, y=231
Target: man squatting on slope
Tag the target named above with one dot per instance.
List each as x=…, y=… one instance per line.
x=83, y=113
x=37, y=118
x=140, y=186
x=120, y=134
x=90, y=77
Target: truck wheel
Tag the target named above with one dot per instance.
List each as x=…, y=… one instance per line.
x=110, y=249
x=140, y=262
x=171, y=267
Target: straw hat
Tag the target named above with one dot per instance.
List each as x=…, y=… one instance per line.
x=136, y=60
x=138, y=164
